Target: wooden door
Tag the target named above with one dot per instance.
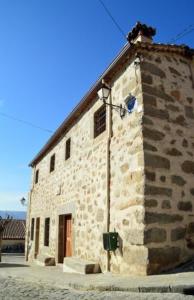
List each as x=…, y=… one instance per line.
x=61, y=240
x=68, y=236
x=37, y=235
x=64, y=237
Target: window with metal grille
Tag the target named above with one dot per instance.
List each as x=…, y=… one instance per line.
x=52, y=163
x=36, y=176
x=32, y=230
x=68, y=149
x=46, y=231
x=100, y=120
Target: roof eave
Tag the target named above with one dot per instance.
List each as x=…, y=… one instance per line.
x=91, y=93
x=182, y=49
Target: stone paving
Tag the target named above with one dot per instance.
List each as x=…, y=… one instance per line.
x=19, y=281
x=17, y=289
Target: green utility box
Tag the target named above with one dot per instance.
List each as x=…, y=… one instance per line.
x=110, y=241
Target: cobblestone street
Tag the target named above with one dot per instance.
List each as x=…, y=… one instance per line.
x=19, y=281
x=17, y=289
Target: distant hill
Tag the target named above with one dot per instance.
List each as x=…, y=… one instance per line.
x=19, y=215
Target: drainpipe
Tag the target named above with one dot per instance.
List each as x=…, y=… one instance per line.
x=109, y=130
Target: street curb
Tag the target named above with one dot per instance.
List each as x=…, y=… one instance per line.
x=178, y=289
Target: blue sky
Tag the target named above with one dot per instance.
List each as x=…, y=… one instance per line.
x=51, y=52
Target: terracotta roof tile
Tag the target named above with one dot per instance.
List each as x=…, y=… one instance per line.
x=15, y=229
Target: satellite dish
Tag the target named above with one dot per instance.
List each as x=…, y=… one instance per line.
x=130, y=103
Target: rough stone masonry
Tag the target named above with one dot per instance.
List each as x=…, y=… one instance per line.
x=145, y=168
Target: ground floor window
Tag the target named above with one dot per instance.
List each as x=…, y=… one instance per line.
x=46, y=231
x=32, y=230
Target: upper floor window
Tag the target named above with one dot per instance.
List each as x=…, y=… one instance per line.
x=36, y=176
x=46, y=231
x=68, y=149
x=100, y=121
x=32, y=230
x=52, y=163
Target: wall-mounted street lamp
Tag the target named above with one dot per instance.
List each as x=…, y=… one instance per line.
x=103, y=94
x=23, y=201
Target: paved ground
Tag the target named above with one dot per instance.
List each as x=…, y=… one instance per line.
x=19, y=281
x=17, y=289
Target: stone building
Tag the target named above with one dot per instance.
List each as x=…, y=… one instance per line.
x=13, y=236
x=125, y=166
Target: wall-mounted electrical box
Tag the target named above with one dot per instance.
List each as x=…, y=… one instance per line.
x=110, y=241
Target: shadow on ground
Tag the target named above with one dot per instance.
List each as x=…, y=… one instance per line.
x=183, y=268
x=10, y=265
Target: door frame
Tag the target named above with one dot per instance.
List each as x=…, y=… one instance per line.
x=61, y=236
x=37, y=237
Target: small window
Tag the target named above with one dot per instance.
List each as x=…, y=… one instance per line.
x=46, y=231
x=68, y=149
x=32, y=230
x=100, y=121
x=52, y=163
x=36, y=176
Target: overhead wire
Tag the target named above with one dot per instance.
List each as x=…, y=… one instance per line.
x=180, y=35
x=183, y=33
x=25, y=122
x=113, y=19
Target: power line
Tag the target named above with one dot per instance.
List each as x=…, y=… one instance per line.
x=183, y=33
x=25, y=122
x=113, y=19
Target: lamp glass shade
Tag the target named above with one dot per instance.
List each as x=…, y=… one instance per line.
x=103, y=93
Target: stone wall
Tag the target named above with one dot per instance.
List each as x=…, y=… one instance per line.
x=168, y=131
x=151, y=173
x=79, y=185
x=127, y=179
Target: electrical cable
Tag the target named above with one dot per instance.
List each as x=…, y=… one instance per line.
x=113, y=19
x=183, y=33
x=25, y=122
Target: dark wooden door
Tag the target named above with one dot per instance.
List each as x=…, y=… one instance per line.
x=64, y=237
x=68, y=236
x=37, y=235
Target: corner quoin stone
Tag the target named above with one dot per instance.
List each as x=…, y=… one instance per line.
x=158, y=92
x=155, y=235
x=159, y=258
x=161, y=218
x=153, y=134
x=156, y=190
x=156, y=161
x=156, y=113
x=149, y=147
x=153, y=69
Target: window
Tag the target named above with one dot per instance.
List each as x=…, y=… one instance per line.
x=68, y=149
x=52, y=163
x=46, y=231
x=32, y=230
x=36, y=176
x=100, y=121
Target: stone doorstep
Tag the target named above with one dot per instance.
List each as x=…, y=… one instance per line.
x=45, y=260
x=80, y=266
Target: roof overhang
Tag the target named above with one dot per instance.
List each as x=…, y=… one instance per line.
x=128, y=51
